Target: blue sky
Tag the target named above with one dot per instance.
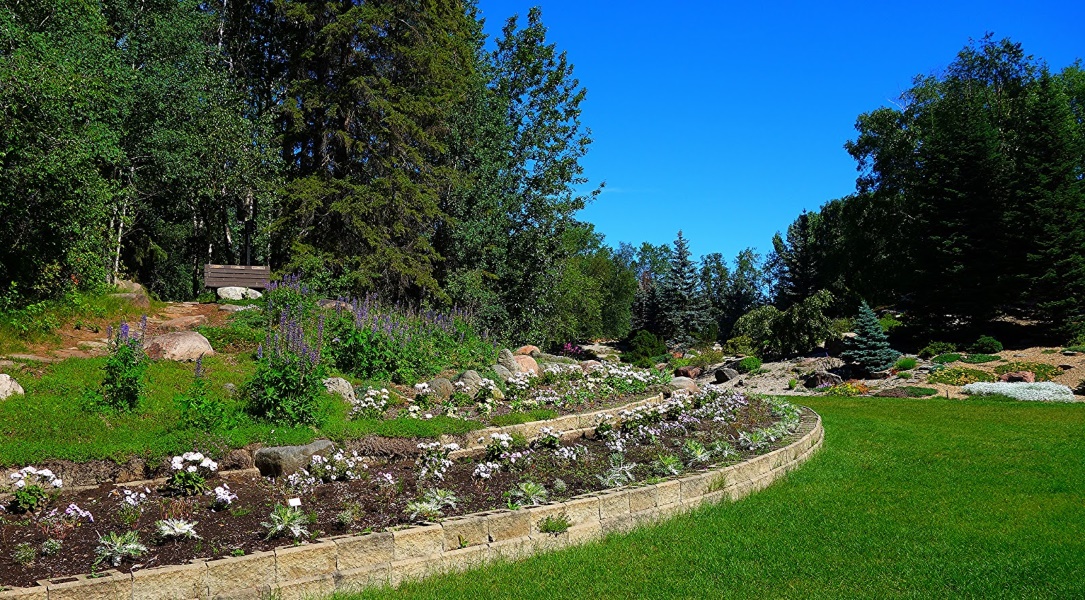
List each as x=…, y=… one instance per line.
x=725, y=120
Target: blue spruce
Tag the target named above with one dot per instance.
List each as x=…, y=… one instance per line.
x=869, y=349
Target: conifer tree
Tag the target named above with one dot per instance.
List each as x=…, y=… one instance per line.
x=869, y=349
x=684, y=311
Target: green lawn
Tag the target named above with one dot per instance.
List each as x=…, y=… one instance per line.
x=907, y=499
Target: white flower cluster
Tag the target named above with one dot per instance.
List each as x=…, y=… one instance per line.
x=415, y=412
x=338, y=467
x=571, y=453
x=35, y=477
x=223, y=496
x=194, y=462
x=564, y=370
x=520, y=382
x=548, y=437
x=486, y=470
x=498, y=442
x=132, y=498
x=434, y=461
x=371, y=404
x=1040, y=391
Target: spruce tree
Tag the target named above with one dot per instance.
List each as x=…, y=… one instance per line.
x=869, y=349
x=684, y=311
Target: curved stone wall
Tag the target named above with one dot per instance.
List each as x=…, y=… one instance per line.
x=352, y=562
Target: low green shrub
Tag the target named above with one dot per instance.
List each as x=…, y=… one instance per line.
x=946, y=358
x=516, y=418
x=985, y=345
x=748, y=364
x=739, y=346
x=936, y=348
x=889, y=322
x=644, y=349
x=978, y=359
x=960, y=376
x=1042, y=371
x=707, y=358
x=122, y=387
x=905, y=363
x=1075, y=348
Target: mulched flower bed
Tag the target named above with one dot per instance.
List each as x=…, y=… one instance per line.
x=344, y=494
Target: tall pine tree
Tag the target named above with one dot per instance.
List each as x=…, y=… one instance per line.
x=684, y=311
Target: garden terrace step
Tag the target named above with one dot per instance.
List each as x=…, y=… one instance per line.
x=343, y=564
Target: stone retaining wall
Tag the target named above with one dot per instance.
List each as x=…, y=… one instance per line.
x=353, y=562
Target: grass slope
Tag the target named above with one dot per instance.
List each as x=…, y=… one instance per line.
x=907, y=499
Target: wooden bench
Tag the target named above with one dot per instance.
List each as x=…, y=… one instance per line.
x=216, y=276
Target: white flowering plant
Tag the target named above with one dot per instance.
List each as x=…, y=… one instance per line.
x=190, y=473
x=370, y=405
x=58, y=524
x=176, y=529
x=32, y=487
x=433, y=460
x=224, y=497
x=1040, y=391
x=340, y=466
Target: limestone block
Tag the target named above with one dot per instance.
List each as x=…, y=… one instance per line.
x=514, y=549
x=417, y=542
x=243, y=573
x=319, y=586
x=538, y=513
x=39, y=592
x=582, y=510
x=693, y=486
x=300, y=562
x=355, y=580
x=413, y=569
x=109, y=587
x=620, y=524
x=363, y=551
x=463, y=559
x=614, y=505
x=509, y=524
x=641, y=499
x=668, y=492
x=581, y=534
x=465, y=531
x=175, y=582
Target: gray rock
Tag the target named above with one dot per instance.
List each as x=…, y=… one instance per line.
x=881, y=375
x=821, y=378
x=279, y=461
x=684, y=383
x=471, y=381
x=138, y=300
x=590, y=365
x=502, y=373
x=127, y=286
x=252, y=294
x=507, y=360
x=725, y=374
x=441, y=388
x=340, y=387
x=231, y=292
x=179, y=345
x=330, y=304
x=1069, y=353
x=9, y=387
x=230, y=388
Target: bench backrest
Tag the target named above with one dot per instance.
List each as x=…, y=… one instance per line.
x=216, y=276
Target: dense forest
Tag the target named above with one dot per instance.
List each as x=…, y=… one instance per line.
x=389, y=147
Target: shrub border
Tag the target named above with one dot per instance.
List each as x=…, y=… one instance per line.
x=353, y=562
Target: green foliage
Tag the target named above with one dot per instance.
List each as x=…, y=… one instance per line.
x=1042, y=371
x=976, y=359
x=28, y=498
x=936, y=348
x=985, y=345
x=848, y=389
x=748, y=364
x=869, y=349
x=24, y=554
x=738, y=346
x=946, y=358
x=186, y=483
x=644, y=348
x=122, y=387
x=707, y=358
x=683, y=307
x=554, y=524
x=198, y=408
x=797, y=330
x=959, y=376
x=889, y=322
x=515, y=418
x=905, y=363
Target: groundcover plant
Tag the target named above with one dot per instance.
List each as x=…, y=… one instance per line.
x=344, y=492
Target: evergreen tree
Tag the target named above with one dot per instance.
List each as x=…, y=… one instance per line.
x=869, y=349
x=684, y=311
x=745, y=290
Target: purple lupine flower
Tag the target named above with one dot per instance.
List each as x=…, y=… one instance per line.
x=124, y=331
x=260, y=352
x=199, y=366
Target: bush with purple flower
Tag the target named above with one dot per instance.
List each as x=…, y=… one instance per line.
x=122, y=387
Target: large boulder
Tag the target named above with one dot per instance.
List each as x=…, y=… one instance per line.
x=529, y=350
x=179, y=345
x=340, y=387
x=136, y=299
x=688, y=371
x=505, y=359
x=232, y=292
x=131, y=287
x=725, y=374
x=251, y=294
x=684, y=383
x=502, y=373
x=528, y=365
x=471, y=381
x=590, y=365
x=441, y=388
x=279, y=461
x=9, y=387
x=821, y=379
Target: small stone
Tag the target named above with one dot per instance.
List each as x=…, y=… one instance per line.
x=1069, y=353
x=821, y=379
x=9, y=387
x=237, y=459
x=278, y=461
x=1066, y=367
x=333, y=304
x=881, y=375
x=232, y=308
x=231, y=292
x=528, y=350
x=1020, y=355
x=130, y=287
x=230, y=389
x=1025, y=376
x=590, y=365
x=498, y=394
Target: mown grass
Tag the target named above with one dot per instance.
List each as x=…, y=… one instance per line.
x=51, y=422
x=908, y=499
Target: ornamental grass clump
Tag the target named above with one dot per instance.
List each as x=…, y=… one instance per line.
x=869, y=349
x=1044, y=391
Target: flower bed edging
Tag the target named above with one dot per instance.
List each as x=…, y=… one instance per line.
x=346, y=563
